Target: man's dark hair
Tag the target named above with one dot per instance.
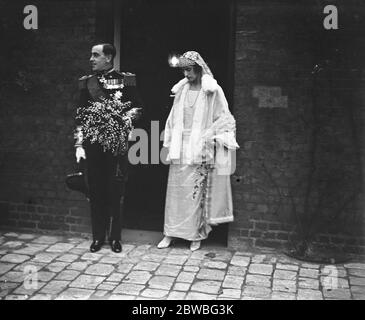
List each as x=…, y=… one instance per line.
x=109, y=49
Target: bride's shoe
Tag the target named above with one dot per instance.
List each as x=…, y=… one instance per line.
x=195, y=245
x=165, y=242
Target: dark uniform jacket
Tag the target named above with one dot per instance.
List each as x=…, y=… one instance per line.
x=93, y=87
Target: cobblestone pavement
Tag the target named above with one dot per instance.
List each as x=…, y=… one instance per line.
x=67, y=270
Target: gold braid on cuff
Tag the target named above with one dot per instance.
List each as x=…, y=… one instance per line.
x=78, y=136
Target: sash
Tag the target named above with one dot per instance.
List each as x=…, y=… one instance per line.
x=95, y=90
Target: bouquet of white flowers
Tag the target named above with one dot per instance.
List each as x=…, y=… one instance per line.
x=108, y=122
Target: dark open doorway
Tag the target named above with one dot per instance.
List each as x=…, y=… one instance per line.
x=151, y=30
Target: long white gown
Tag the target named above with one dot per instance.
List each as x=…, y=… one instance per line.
x=184, y=213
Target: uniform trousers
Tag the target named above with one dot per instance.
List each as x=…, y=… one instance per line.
x=107, y=175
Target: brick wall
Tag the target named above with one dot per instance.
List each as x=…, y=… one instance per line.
x=277, y=46
x=38, y=95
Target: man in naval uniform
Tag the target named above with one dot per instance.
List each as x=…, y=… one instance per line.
x=106, y=173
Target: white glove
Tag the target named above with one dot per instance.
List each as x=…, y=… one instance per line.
x=80, y=154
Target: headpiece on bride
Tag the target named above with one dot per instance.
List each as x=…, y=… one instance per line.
x=190, y=58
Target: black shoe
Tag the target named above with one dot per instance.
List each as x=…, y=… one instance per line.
x=96, y=245
x=116, y=246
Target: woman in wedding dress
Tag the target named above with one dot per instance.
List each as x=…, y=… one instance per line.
x=200, y=138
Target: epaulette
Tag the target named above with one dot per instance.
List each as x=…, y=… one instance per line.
x=82, y=82
x=85, y=77
x=129, y=79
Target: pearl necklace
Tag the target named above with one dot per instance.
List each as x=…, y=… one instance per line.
x=196, y=98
